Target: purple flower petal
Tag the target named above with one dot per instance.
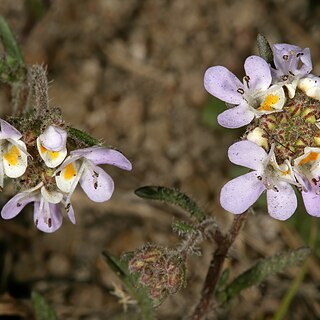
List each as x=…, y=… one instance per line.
x=291, y=63
x=259, y=73
x=223, y=84
x=55, y=215
x=247, y=154
x=306, y=60
x=98, y=186
x=236, y=117
x=312, y=203
x=14, y=206
x=8, y=131
x=240, y=193
x=106, y=156
x=282, y=204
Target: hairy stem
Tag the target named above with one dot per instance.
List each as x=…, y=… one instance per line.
x=216, y=264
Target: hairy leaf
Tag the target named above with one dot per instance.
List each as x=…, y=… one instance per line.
x=261, y=271
x=9, y=42
x=264, y=48
x=83, y=137
x=43, y=310
x=172, y=196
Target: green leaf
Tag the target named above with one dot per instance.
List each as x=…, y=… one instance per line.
x=261, y=271
x=43, y=310
x=172, y=196
x=129, y=280
x=264, y=48
x=83, y=137
x=9, y=42
x=182, y=227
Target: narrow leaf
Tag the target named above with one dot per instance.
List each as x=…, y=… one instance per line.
x=43, y=310
x=261, y=271
x=264, y=48
x=174, y=197
x=83, y=137
x=9, y=42
x=130, y=282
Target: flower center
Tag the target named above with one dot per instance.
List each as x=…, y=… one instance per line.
x=292, y=129
x=12, y=156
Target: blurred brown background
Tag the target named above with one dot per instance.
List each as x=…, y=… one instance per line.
x=131, y=72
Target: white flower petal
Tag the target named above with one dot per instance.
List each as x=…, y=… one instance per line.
x=67, y=175
x=51, y=158
x=51, y=196
x=14, y=159
x=281, y=204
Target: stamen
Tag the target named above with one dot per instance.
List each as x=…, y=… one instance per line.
x=247, y=79
x=67, y=207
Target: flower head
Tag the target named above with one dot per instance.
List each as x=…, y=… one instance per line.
x=13, y=152
x=82, y=166
x=242, y=192
x=51, y=145
x=47, y=214
x=252, y=98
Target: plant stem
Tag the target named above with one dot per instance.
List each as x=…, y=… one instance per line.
x=216, y=264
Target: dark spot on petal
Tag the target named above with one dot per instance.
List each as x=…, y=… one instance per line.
x=95, y=185
x=19, y=204
x=68, y=207
x=285, y=57
x=240, y=90
x=49, y=222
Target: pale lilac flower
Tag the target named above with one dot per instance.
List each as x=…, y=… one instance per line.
x=292, y=63
x=242, y=192
x=13, y=152
x=307, y=169
x=252, y=98
x=51, y=145
x=47, y=215
x=82, y=166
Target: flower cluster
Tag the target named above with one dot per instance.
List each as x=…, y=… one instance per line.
x=280, y=104
x=46, y=173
